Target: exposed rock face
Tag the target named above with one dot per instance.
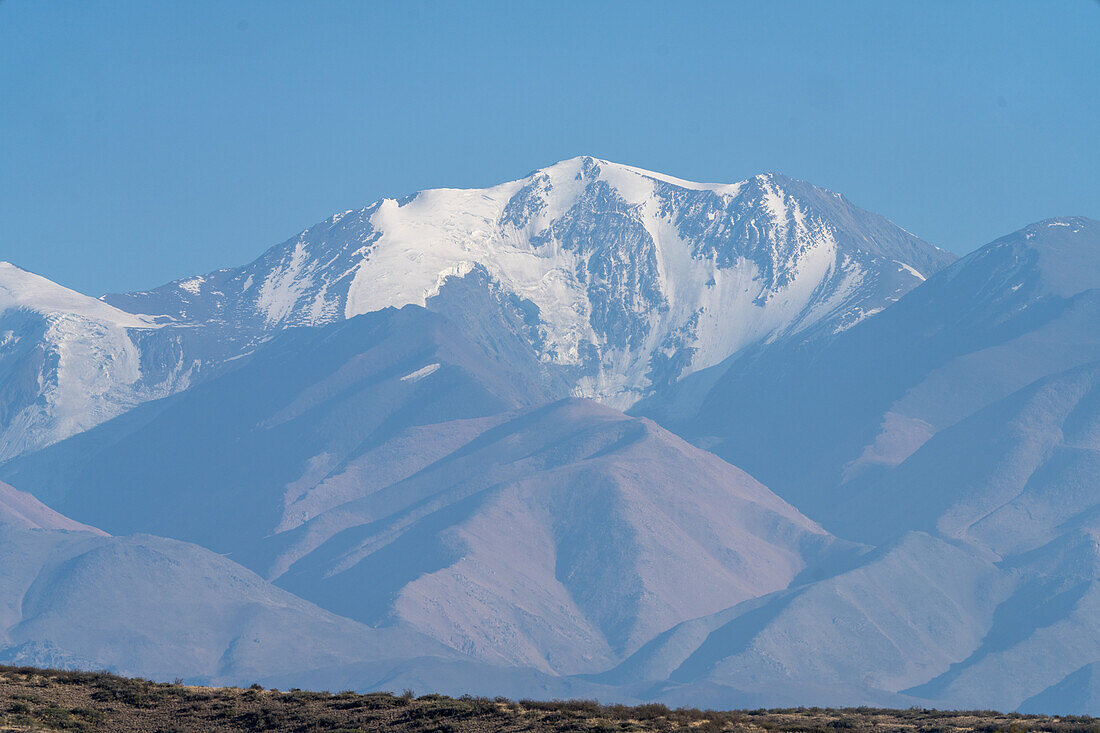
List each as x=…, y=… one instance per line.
x=632, y=278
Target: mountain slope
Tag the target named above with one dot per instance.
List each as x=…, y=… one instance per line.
x=1011, y=478
x=923, y=620
x=967, y=415
x=68, y=362
x=901, y=615
x=173, y=610
x=1078, y=691
x=631, y=278
x=818, y=421
x=579, y=532
x=395, y=472
x=250, y=444
x=1008, y=498
x=20, y=509
x=70, y=595
x=1017, y=481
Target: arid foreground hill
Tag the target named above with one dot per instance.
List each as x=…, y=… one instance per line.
x=40, y=699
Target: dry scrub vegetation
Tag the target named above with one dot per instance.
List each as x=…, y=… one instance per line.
x=35, y=700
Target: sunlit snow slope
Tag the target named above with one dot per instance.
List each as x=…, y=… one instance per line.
x=67, y=362
x=620, y=282
x=629, y=279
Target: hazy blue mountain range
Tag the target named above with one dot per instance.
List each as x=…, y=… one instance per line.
x=73, y=596
x=963, y=418
x=853, y=469
x=1012, y=312
x=377, y=464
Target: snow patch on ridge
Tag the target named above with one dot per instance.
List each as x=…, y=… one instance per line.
x=192, y=285
x=421, y=373
x=911, y=270
x=281, y=291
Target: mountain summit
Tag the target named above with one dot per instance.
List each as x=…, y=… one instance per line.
x=618, y=281
x=624, y=279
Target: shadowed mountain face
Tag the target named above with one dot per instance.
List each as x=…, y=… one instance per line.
x=395, y=472
x=1000, y=484
x=984, y=590
x=248, y=445
x=1011, y=478
x=72, y=596
x=1079, y=691
x=817, y=422
x=1017, y=482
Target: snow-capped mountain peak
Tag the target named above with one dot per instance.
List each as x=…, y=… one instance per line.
x=627, y=278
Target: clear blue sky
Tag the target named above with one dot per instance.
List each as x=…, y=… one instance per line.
x=144, y=141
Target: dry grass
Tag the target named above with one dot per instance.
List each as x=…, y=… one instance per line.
x=35, y=699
